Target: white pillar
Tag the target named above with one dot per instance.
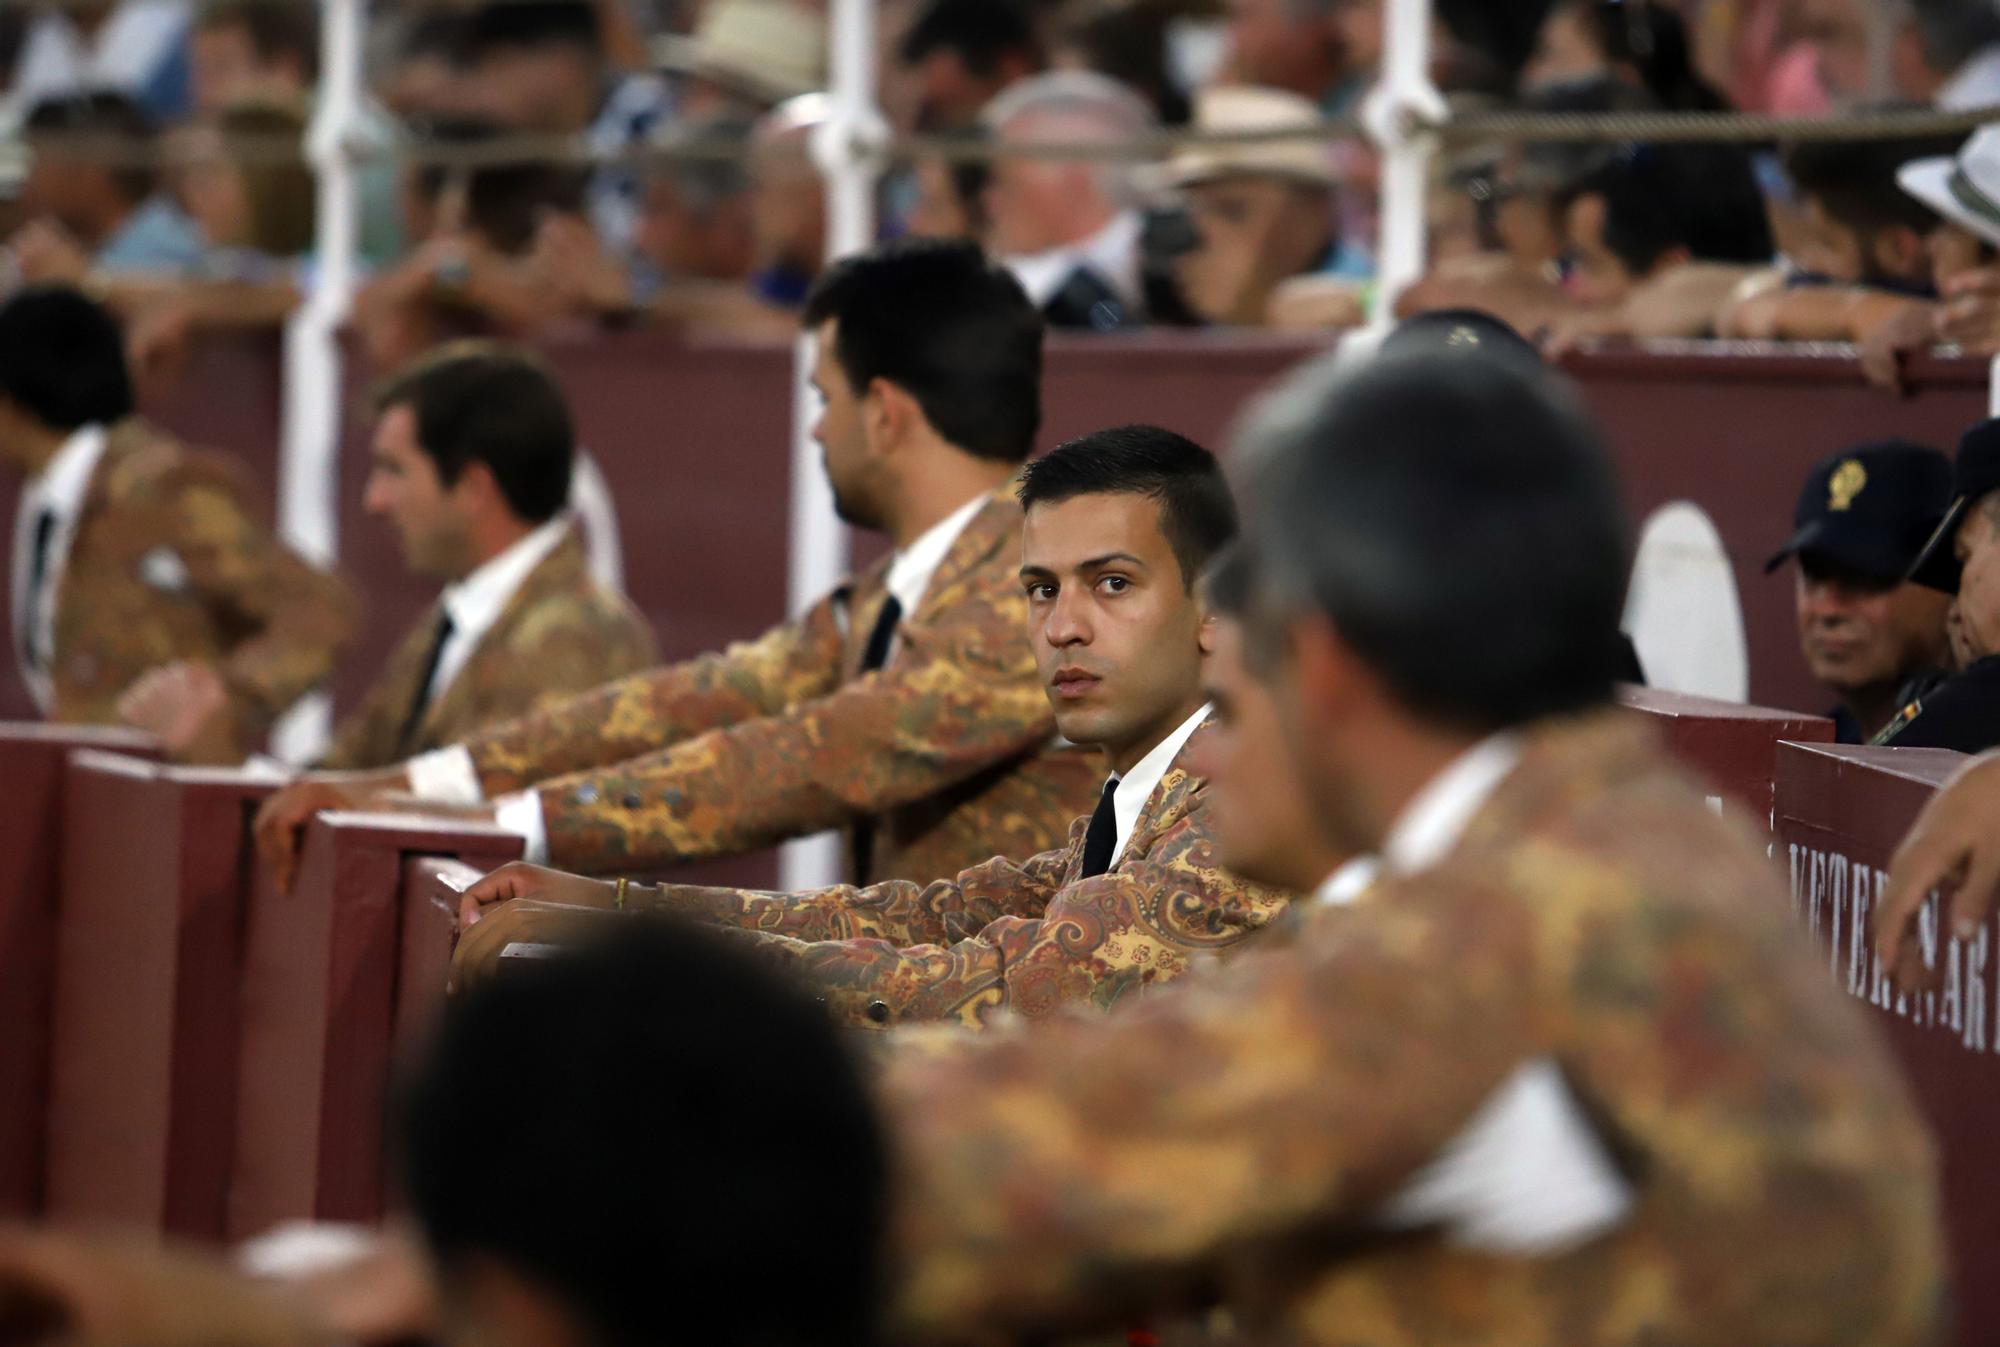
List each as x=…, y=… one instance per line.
x=845, y=149
x=1402, y=98
x=309, y=453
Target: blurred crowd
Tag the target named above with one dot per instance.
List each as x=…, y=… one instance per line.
x=158, y=162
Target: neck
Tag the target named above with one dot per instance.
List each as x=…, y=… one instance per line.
x=492, y=539
x=1401, y=761
x=1122, y=758
x=945, y=481
x=35, y=446
x=1872, y=706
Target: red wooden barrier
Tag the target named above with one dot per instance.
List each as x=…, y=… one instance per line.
x=1734, y=747
x=31, y=791
x=1841, y=811
x=156, y=862
x=334, y=974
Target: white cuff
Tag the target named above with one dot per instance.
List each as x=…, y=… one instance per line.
x=521, y=814
x=446, y=775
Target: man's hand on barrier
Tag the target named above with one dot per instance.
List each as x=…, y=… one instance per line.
x=185, y=706
x=518, y=879
x=523, y=921
x=1955, y=846
x=1971, y=309
x=281, y=823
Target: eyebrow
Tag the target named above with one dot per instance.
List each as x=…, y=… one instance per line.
x=1097, y=562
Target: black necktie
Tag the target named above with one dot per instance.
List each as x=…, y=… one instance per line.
x=422, y=700
x=38, y=574
x=873, y=656
x=1102, y=834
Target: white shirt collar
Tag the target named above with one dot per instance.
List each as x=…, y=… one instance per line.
x=1137, y=786
x=1437, y=816
x=1112, y=252
x=66, y=480
x=911, y=569
x=476, y=602
x=61, y=489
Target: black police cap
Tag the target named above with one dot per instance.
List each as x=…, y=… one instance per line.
x=1870, y=509
x=1975, y=472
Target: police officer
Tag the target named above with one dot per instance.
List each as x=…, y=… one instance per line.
x=1872, y=638
x=1963, y=558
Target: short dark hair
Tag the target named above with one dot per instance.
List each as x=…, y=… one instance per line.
x=491, y=28
x=621, y=1124
x=1659, y=197
x=62, y=358
x=1457, y=521
x=1855, y=181
x=478, y=401
x=1197, y=511
x=505, y=203
x=951, y=329
x=1653, y=40
x=101, y=119
x=273, y=30
x=1950, y=31
x=979, y=32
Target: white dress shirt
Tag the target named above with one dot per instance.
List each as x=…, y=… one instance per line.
x=910, y=573
x=1528, y=1174
x=1137, y=786
x=60, y=489
x=1112, y=253
x=127, y=52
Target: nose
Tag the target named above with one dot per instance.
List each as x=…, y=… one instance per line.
x=375, y=498
x=1826, y=600
x=1067, y=623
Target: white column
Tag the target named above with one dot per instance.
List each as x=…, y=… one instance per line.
x=844, y=149
x=309, y=454
x=1402, y=98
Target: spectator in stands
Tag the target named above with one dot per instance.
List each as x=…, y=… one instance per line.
x=698, y=223
x=1554, y=893
x=948, y=197
x=250, y=51
x=540, y=65
x=132, y=553
x=1963, y=713
x=1324, y=50
x=1130, y=43
x=1944, y=52
x=787, y=203
x=1262, y=213
x=1070, y=230
x=585, y=1170
x=254, y=210
x=92, y=195
x=747, y=56
x=1641, y=42
x=471, y=466
x=135, y=48
x=930, y=364
x=1117, y=527
x=963, y=54
x=1872, y=637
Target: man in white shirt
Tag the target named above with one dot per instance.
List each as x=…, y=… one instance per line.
x=903, y=706
x=1069, y=229
x=1570, y=1073
x=1118, y=527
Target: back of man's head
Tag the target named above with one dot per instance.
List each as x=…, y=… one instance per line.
x=979, y=32
x=1455, y=521
x=1701, y=198
x=102, y=125
x=62, y=359
x=945, y=325
x=648, y=1130
x=1197, y=509
x=483, y=402
x=532, y=25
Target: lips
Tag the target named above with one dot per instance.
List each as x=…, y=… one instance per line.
x=1071, y=683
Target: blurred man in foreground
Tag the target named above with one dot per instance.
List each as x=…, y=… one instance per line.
x=1570, y=1074
x=1872, y=637
x=1117, y=527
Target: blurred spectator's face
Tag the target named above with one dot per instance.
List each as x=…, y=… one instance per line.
x=1255, y=232
x=224, y=68
x=404, y=489
x=950, y=96
x=842, y=435
x=1953, y=251
x=548, y=88
x=1977, y=607
x=211, y=190
x=1269, y=45
x=1597, y=275
x=939, y=212
x=1263, y=827
x=1859, y=634
x=711, y=243
x=1564, y=51
x=788, y=207
x=425, y=84
x=81, y=196
x=1033, y=205
x=1524, y=219
x=1825, y=246
x=1358, y=26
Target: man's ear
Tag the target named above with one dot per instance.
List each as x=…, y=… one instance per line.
x=890, y=414
x=1205, y=631
x=1899, y=252
x=508, y=1310
x=478, y=490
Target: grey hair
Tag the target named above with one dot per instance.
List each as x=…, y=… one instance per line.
x=1107, y=107
x=705, y=179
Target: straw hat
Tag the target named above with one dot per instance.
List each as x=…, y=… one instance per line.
x=1243, y=108
x=769, y=49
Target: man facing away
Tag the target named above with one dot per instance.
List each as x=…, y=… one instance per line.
x=904, y=706
x=1118, y=526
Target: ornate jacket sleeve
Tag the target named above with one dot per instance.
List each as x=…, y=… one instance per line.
x=788, y=665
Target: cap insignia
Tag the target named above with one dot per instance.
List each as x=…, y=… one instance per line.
x=1845, y=484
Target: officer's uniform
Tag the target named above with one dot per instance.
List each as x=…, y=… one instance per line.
x=1865, y=515
x=1963, y=712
